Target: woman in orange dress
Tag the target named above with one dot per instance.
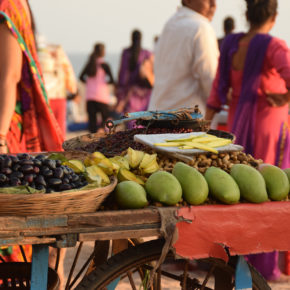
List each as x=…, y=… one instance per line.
x=26, y=121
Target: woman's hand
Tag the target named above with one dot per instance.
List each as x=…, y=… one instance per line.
x=278, y=100
x=3, y=145
x=3, y=149
x=120, y=107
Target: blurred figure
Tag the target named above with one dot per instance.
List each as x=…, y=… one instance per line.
x=97, y=76
x=229, y=27
x=26, y=122
x=186, y=58
x=75, y=120
x=136, y=77
x=257, y=68
x=59, y=79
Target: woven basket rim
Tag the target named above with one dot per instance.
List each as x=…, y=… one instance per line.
x=58, y=203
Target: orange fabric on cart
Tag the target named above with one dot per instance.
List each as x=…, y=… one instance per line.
x=243, y=228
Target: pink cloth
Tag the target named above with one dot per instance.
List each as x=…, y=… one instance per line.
x=97, y=88
x=275, y=79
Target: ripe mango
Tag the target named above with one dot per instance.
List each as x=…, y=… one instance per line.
x=162, y=186
x=222, y=186
x=130, y=195
x=251, y=183
x=194, y=185
x=277, y=182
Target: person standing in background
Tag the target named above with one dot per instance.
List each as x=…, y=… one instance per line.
x=256, y=66
x=97, y=76
x=229, y=27
x=186, y=58
x=136, y=77
x=59, y=78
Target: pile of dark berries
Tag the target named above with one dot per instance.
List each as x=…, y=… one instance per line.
x=115, y=144
x=38, y=172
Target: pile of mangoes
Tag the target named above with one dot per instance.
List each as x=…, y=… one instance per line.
x=243, y=183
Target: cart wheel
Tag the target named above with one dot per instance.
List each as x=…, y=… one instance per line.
x=132, y=267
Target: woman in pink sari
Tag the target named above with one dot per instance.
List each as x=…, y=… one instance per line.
x=256, y=67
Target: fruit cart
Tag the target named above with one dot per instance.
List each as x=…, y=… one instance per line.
x=185, y=238
x=214, y=231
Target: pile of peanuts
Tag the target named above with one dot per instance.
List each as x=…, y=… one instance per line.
x=203, y=161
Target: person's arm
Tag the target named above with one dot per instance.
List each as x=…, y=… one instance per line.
x=147, y=71
x=83, y=74
x=279, y=57
x=108, y=72
x=10, y=75
x=205, y=57
x=214, y=104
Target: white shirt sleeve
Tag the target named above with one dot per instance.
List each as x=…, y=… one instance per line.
x=205, y=57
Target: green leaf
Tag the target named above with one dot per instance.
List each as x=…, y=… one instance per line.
x=22, y=189
x=57, y=156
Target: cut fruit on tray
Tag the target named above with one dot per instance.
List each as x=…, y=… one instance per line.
x=188, y=143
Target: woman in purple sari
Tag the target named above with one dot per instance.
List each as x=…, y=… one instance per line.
x=135, y=77
x=256, y=67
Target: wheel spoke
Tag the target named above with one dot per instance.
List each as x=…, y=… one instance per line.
x=210, y=272
x=129, y=274
x=185, y=274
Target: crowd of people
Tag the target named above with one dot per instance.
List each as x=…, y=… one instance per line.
x=249, y=72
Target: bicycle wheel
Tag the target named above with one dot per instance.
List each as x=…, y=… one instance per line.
x=130, y=269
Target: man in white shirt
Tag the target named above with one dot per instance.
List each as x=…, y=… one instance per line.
x=186, y=58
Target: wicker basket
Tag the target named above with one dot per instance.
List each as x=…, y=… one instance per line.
x=81, y=141
x=84, y=201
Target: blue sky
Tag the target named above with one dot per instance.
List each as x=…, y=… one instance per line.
x=77, y=25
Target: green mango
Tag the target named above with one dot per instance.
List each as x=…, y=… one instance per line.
x=287, y=171
x=277, y=182
x=222, y=186
x=251, y=183
x=194, y=185
x=163, y=187
x=130, y=195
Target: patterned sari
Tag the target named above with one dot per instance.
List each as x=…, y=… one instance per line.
x=33, y=127
x=261, y=129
